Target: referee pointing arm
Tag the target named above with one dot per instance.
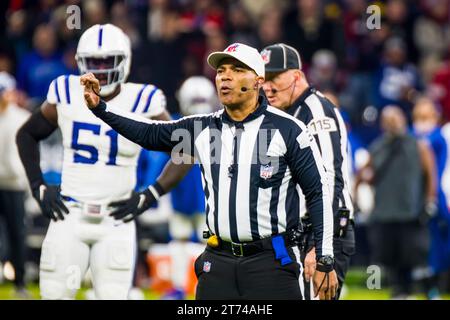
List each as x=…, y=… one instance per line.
x=252, y=157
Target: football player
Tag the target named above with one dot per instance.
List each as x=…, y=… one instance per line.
x=87, y=211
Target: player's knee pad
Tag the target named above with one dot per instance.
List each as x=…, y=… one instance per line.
x=48, y=257
x=113, y=273
x=121, y=256
x=58, y=280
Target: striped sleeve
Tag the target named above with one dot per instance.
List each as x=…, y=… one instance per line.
x=321, y=121
x=59, y=90
x=53, y=95
x=155, y=103
x=151, y=134
x=308, y=170
x=345, y=167
x=150, y=101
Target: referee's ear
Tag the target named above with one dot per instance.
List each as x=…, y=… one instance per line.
x=259, y=82
x=299, y=76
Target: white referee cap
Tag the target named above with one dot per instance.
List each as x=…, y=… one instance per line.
x=241, y=52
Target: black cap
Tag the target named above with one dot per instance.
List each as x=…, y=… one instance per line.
x=280, y=57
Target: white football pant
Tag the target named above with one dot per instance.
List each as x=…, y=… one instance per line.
x=80, y=241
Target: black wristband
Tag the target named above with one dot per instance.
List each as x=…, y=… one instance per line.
x=159, y=189
x=156, y=190
x=325, y=263
x=324, y=268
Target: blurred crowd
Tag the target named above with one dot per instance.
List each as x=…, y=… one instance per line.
x=399, y=62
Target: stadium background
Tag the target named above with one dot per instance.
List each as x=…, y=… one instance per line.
x=170, y=40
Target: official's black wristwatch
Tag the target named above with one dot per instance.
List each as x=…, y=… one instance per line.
x=325, y=263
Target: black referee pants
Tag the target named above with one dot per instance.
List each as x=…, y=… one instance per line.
x=223, y=276
x=344, y=249
x=12, y=211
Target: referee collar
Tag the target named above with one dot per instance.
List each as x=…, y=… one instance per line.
x=297, y=103
x=252, y=116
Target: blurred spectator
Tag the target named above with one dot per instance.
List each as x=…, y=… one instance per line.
x=400, y=17
x=324, y=74
x=203, y=15
x=161, y=61
x=43, y=64
x=241, y=28
x=363, y=47
x=16, y=33
x=120, y=17
x=94, y=12
x=12, y=180
x=258, y=9
x=40, y=11
x=215, y=41
x=432, y=30
x=439, y=88
x=69, y=59
x=66, y=36
x=308, y=30
x=401, y=171
x=397, y=80
x=269, y=27
x=446, y=174
x=155, y=18
x=426, y=127
x=3, y=8
x=6, y=63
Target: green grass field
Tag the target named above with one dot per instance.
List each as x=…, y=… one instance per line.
x=354, y=290
x=354, y=293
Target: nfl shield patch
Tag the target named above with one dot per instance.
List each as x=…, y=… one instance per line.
x=265, y=54
x=232, y=48
x=206, y=266
x=266, y=171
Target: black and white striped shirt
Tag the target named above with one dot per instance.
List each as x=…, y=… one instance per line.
x=325, y=123
x=250, y=169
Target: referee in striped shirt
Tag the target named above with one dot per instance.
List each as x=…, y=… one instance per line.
x=252, y=157
x=287, y=89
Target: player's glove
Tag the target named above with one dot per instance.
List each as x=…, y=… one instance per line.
x=138, y=203
x=50, y=202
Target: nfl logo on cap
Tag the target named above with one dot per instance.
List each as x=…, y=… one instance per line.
x=206, y=266
x=265, y=54
x=232, y=48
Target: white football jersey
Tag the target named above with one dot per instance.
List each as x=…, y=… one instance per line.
x=99, y=166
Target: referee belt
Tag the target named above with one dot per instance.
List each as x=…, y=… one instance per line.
x=245, y=249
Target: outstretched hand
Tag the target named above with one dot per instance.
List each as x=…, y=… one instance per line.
x=91, y=90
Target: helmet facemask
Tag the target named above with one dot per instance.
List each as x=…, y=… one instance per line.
x=109, y=69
